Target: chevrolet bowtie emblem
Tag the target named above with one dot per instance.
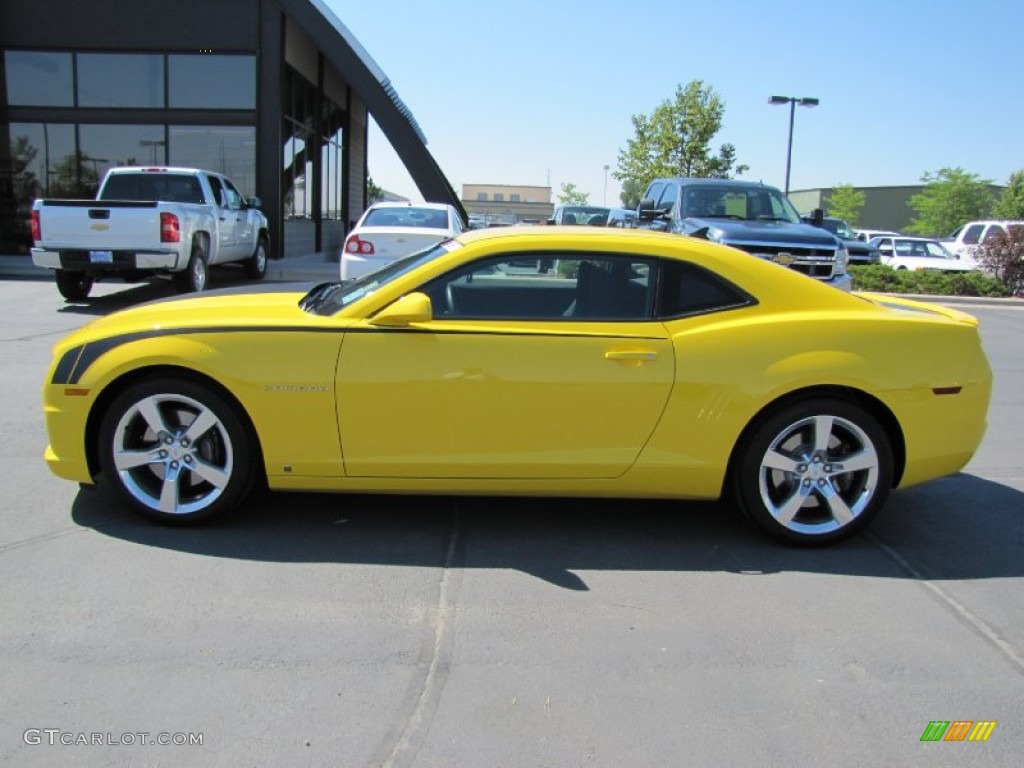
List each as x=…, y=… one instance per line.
x=785, y=259
x=100, y=227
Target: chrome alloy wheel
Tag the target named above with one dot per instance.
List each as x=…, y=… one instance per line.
x=172, y=453
x=819, y=474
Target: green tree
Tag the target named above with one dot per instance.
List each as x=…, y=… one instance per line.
x=845, y=202
x=570, y=195
x=374, y=194
x=1010, y=204
x=632, y=189
x=951, y=197
x=675, y=139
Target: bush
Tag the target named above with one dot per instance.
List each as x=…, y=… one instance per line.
x=882, y=278
x=1004, y=258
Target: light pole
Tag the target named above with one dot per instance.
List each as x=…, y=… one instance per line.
x=804, y=101
x=604, y=200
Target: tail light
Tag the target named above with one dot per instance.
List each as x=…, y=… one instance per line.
x=355, y=245
x=170, y=229
x=37, y=230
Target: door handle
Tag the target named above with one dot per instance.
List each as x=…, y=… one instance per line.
x=631, y=354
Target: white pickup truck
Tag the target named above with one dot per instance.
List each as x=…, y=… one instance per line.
x=146, y=221
x=964, y=242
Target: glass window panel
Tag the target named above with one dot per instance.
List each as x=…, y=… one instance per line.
x=110, y=146
x=39, y=79
x=211, y=82
x=230, y=150
x=120, y=80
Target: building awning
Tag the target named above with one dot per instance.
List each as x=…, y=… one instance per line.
x=340, y=47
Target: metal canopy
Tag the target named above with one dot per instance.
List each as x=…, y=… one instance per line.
x=340, y=47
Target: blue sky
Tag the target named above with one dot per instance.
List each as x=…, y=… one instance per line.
x=537, y=93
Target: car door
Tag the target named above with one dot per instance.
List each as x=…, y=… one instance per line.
x=548, y=374
x=226, y=221
x=246, y=227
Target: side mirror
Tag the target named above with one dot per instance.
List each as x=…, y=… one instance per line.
x=817, y=217
x=253, y=202
x=411, y=308
x=885, y=250
x=551, y=221
x=646, y=210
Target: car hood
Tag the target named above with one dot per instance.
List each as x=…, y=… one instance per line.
x=268, y=306
x=765, y=231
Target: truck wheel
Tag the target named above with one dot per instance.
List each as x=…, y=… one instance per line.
x=256, y=265
x=193, y=279
x=73, y=286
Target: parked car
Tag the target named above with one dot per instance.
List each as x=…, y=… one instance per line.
x=920, y=253
x=149, y=221
x=965, y=240
x=861, y=254
x=749, y=216
x=647, y=365
x=866, y=235
x=624, y=218
x=589, y=215
x=388, y=231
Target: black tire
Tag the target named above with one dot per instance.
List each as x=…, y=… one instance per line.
x=73, y=286
x=812, y=489
x=193, y=279
x=163, y=472
x=256, y=265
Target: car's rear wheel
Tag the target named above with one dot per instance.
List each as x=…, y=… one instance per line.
x=193, y=278
x=73, y=286
x=256, y=265
x=176, y=451
x=814, y=472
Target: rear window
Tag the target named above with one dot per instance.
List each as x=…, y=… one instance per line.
x=407, y=217
x=152, y=187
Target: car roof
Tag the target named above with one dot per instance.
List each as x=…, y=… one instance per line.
x=410, y=204
x=700, y=182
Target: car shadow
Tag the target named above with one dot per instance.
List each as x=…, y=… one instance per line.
x=152, y=289
x=962, y=527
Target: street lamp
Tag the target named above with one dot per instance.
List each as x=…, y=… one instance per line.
x=604, y=200
x=792, y=101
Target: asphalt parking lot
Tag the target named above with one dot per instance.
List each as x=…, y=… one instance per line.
x=319, y=630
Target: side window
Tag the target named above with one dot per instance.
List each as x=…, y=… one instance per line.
x=654, y=191
x=686, y=289
x=993, y=233
x=233, y=196
x=546, y=286
x=669, y=197
x=218, y=192
x=973, y=234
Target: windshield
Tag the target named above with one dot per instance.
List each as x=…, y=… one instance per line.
x=839, y=227
x=328, y=298
x=728, y=202
x=585, y=214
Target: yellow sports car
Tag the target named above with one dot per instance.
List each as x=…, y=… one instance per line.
x=541, y=361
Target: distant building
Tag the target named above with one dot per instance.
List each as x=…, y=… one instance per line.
x=507, y=204
x=884, y=207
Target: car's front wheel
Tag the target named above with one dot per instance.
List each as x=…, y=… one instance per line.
x=256, y=265
x=814, y=472
x=176, y=451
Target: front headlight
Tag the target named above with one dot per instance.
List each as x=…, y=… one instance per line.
x=842, y=260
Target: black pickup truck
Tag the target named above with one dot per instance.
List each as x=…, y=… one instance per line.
x=750, y=216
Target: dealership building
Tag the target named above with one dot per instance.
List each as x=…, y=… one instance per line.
x=275, y=94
